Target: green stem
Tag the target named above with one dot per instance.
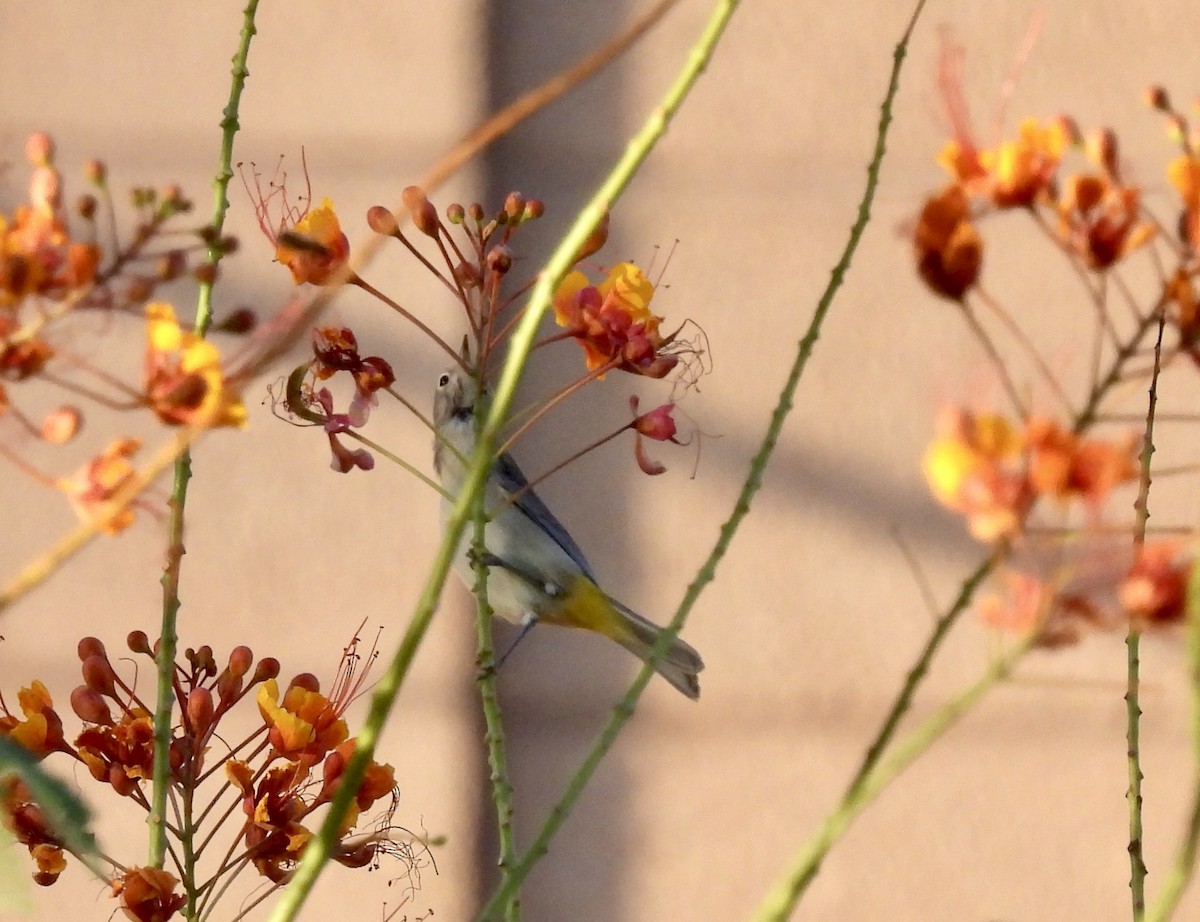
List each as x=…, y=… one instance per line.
x=168, y=637
x=1133, y=710
x=624, y=708
x=781, y=901
x=502, y=790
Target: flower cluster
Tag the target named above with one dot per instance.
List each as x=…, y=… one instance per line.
x=290, y=765
x=983, y=467
x=56, y=262
x=474, y=256
x=1061, y=581
x=613, y=323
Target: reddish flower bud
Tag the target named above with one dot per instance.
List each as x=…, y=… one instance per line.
x=1156, y=98
x=307, y=681
x=138, y=642
x=425, y=219
x=241, y=320
x=475, y=212
x=85, y=207
x=120, y=782
x=170, y=266
x=99, y=676
x=534, y=209
x=596, y=239
x=455, y=213
x=268, y=668
x=1101, y=148
x=382, y=221
x=95, y=171
x=200, y=710
x=60, y=426
x=240, y=660
x=514, y=207
x=39, y=149
x=89, y=646
x=88, y=705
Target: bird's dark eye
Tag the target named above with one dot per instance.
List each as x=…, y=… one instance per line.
x=444, y=380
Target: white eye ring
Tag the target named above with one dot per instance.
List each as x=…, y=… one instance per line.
x=444, y=380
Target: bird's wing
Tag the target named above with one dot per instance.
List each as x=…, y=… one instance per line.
x=528, y=502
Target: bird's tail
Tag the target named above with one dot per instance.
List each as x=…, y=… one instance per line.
x=679, y=664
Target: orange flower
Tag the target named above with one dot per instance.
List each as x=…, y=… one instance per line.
x=21, y=356
x=41, y=731
x=304, y=726
x=148, y=894
x=1015, y=173
x=613, y=323
x=948, y=248
x=314, y=249
x=1184, y=174
x=37, y=255
x=378, y=781
x=1155, y=590
x=183, y=379
x=121, y=754
x=975, y=467
x=27, y=823
x=1064, y=465
x=91, y=487
x=1098, y=219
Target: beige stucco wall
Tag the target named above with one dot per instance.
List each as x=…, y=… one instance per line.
x=814, y=617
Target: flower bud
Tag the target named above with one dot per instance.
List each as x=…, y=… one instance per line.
x=241, y=320
x=240, y=660
x=307, y=681
x=268, y=668
x=1101, y=149
x=455, y=213
x=534, y=209
x=596, y=239
x=85, y=207
x=1156, y=98
x=475, y=212
x=89, y=646
x=514, y=207
x=95, y=171
x=39, y=149
x=89, y=706
x=138, y=642
x=121, y=782
x=59, y=426
x=382, y=221
x=99, y=676
x=200, y=710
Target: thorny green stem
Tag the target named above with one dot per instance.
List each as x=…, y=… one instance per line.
x=502, y=790
x=1133, y=712
x=624, y=708
x=168, y=638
